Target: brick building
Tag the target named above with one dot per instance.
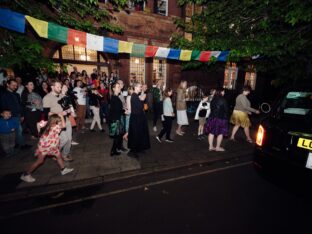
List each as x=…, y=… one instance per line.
x=151, y=23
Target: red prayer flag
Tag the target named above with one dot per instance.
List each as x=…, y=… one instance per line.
x=204, y=56
x=76, y=38
x=151, y=51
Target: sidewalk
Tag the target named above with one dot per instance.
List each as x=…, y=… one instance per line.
x=93, y=163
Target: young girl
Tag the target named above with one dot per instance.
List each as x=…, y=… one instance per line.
x=128, y=112
x=202, y=113
x=168, y=116
x=48, y=145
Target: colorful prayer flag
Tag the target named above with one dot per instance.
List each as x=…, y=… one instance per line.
x=174, y=54
x=185, y=55
x=40, y=26
x=195, y=55
x=125, y=47
x=204, y=56
x=76, y=38
x=95, y=42
x=57, y=33
x=12, y=20
x=151, y=51
x=162, y=52
x=138, y=50
x=215, y=54
x=223, y=56
x=110, y=45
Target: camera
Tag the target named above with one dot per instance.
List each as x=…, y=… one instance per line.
x=65, y=102
x=204, y=104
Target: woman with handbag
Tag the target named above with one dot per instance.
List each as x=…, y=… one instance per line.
x=115, y=125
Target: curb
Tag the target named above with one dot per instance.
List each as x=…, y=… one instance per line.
x=44, y=190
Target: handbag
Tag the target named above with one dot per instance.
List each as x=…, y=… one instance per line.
x=72, y=121
x=145, y=107
x=115, y=128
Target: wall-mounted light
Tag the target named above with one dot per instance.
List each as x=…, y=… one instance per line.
x=136, y=61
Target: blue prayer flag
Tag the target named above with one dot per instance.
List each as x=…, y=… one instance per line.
x=223, y=56
x=12, y=20
x=174, y=54
x=111, y=45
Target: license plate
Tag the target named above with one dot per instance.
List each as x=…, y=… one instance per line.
x=309, y=161
x=305, y=143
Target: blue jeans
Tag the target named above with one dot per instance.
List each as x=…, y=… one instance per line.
x=19, y=139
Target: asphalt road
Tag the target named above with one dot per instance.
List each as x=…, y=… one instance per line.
x=229, y=199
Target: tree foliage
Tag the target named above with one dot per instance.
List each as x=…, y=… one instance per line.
x=280, y=31
x=85, y=15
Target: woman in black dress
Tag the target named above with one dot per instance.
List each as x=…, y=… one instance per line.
x=115, y=113
x=138, y=129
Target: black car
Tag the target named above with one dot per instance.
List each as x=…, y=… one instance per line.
x=284, y=136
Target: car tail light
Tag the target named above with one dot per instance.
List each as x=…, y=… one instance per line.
x=260, y=135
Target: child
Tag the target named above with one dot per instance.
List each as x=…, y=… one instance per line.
x=8, y=127
x=168, y=116
x=202, y=113
x=128, y=112
x=48, y=145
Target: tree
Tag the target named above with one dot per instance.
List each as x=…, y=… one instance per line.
x=279, y=31
x=18, y=50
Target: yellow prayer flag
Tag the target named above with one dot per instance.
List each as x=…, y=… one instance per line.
x=185, y=55
x=40, y=26
x=125, y=47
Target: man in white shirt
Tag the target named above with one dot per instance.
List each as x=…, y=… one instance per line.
x=81, y=94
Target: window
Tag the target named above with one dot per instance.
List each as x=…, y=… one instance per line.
x=70, y=52
x=230, y=75
x=137, y=69
x=139, y=6
x=161, y=7
x=251, y=77
x=159, y=70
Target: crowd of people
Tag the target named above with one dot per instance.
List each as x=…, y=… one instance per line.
x=49, y=108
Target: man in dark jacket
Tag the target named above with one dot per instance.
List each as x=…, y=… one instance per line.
x=10, y=100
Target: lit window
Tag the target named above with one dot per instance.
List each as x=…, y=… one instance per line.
x=56, y=55
x=162, y=7
x=159, y=70
x=137, y=70
x=230, y=75
x=70, y=52
x=251, y=77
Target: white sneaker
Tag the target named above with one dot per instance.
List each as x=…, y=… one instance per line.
x=155, y=129
x=27, y=178
x=158, y=139
x=66, y=170
x=74, y=143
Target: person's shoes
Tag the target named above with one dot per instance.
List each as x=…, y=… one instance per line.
x=123, y=149
x=27, y=178
x=102, y=130
x=68, y=158
x=158, y=139
x=179, y=133
x=199, y=137
x=155, y=129
x=169, y=140
x=92, y=130
x=113, y=153
x=132, y=154
x=74, y=143
x=25, y=146
x=66, y=170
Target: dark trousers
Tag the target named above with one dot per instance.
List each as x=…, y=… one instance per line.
x=167, y=124
x=157, y=111
x=117, y=143
x=31, y=120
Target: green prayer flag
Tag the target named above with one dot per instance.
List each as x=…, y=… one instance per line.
x=138, y=50
x=195, y=55
x=57, y=33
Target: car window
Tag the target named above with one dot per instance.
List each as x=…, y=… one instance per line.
x=297, y=103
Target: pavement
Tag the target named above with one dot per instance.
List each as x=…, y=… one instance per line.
x=93, y=164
